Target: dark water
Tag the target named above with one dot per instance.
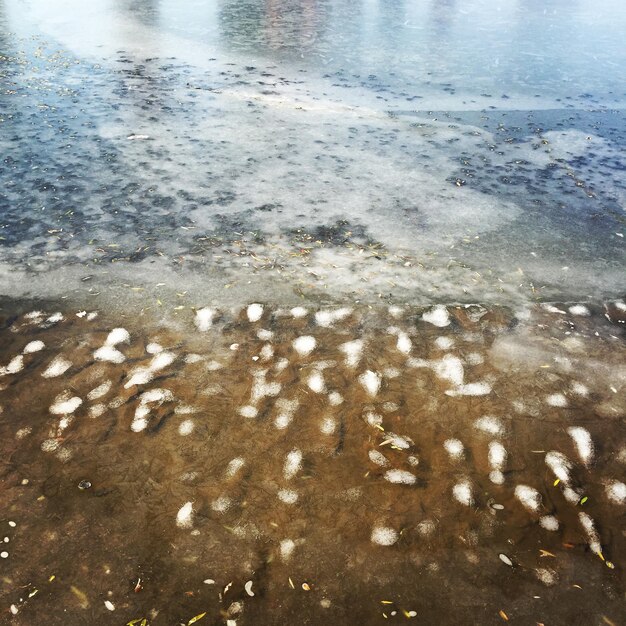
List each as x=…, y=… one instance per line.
x=424, y=420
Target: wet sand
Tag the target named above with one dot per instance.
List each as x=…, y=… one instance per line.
x=450, y=465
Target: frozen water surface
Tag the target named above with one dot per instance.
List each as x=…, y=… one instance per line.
x=312, y=312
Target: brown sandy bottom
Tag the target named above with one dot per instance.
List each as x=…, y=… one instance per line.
x=458, y=465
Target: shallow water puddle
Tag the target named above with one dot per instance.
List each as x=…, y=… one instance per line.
x=446, y=465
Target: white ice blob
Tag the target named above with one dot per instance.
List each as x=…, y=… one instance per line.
x=371, y=382
x=109, y=354
x=65, y=404
x=326, y=319
x=437, y=316
x=293, y=463
x=353, y=351
x=254, y=312
x=33, y=346
x=584, y=444
x=560, y=465
x=184, y=517
x=616, y=492
x=529, y=497
x=490, y=425
x=401, y=477
x=204, y=318
x=117, y=335
x=454, y=448
x=304, y=345
x=186, y=428
x=404, y=343
x=462, y=492
x=384, y=536
x=57, y=366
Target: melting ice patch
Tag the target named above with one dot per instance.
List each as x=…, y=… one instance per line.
x=437, y=316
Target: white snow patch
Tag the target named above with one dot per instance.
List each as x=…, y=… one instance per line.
x=154, y=348
x=100, y=390
x=497, y=455
x=592, y=534
x=444, y=343
x=64, y=404
x=298, y=311
x=560, y=465
x=234, y=466
x=404, y=343
x=470, y=389
x=328, y=426
x=287, y=547
x=248, y=411
x=335, y=398
x=449, y=368
x=221, y=504
x=549, y=522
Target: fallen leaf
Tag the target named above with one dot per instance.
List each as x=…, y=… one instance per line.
x=503, y=615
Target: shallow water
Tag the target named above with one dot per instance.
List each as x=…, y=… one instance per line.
x=287, y=449
x=313, y=312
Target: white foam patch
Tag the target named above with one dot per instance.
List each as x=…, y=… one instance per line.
x=579, y=309
x=444, y=343
x=204, y=319
x=556, y=399
x=287, y=546
x=186, y=428
x=234, y=466
x=470, y=389
x=109, y=354
x=616, y=492
x=353, y=350
x=378, y=458
x=384, y=536
x=65, y=404
x=328, y=426
x=560, y=465
x=100, y=391
x=304, y=345
x=462, y=492
x=326, y=319
x=401, y=477
x=298, y=312
x=584, y=443
x=371, y=382
x=33, y=346
x=293, y=464
x=437, y=316
x=288, y=496
x=184, y=517
x=549, y=522
x=490, y=425
x=454, y=448
x=529, y=497
x=316, y=382
x=404, y=343
x=254, y=312
x=57, y=367
x=449, y=368
x=592, y=534
x=117, y=335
